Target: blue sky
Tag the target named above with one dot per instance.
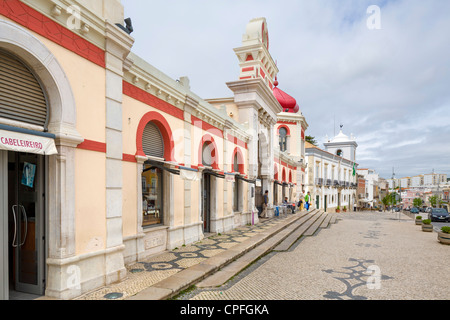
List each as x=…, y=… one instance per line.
x=389, y=87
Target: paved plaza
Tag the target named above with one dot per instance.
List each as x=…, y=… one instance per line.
x=365, y=256
x=149, y=272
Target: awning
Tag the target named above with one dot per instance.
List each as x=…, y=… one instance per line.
x=214, y=173
x=27, y=141
x=246, y=180
x=154, y=165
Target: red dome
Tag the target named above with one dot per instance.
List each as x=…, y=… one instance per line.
x=288, y=103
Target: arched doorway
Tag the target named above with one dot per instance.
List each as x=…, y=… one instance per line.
x=39, y=251
x=209, y=161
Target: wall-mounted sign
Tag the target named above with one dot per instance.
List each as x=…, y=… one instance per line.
x=21, y=142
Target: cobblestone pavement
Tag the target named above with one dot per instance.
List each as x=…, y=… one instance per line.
x=365, y=256
x=144, y=274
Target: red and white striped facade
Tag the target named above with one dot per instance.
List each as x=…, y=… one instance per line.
x=101, y=97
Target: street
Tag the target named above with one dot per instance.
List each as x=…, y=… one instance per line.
x=365, y=256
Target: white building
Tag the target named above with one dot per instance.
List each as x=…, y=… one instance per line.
x=330, y=178
x=372, y=179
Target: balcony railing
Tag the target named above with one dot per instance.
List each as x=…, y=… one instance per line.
x=319, y=181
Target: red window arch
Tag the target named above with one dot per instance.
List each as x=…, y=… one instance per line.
x=209, y=140
x=240, y=161
x=164, y=128
x=284, y=127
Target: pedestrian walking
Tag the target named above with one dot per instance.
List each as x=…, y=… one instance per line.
x=307, y=199
x=265, y=204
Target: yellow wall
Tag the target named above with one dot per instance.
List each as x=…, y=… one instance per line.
x=130, y=198
x=90, y=201
x=133, y=111
x=87, y=81
x=178, y=200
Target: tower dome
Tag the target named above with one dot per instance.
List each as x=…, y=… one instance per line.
x=287, y=102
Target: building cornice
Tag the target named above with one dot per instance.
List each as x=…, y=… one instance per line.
x=91, y=26
x=257, y=94
x=149, y=79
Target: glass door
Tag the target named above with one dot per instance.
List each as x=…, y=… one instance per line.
x=26, y=221
x=206, y=202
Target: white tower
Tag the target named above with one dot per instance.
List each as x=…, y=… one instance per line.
x=343, y=146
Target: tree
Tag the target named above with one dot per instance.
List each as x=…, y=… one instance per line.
x=433, y=200
x=385, y=201
x=417, y=202
x=393, y=198
x=311, y=140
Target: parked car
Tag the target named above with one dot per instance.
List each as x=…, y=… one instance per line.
x=438, y=214
x=397, y=209
x=415, y=210
x=428, y=210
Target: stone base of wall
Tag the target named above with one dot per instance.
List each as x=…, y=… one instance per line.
x=71, y=277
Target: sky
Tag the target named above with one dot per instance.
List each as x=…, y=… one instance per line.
x=384, y=75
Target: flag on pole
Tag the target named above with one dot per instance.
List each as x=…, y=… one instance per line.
x=354, y=169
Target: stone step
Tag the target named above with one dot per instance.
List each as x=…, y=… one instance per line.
x=327, y=221
x=312, y=230
x=300, y=227
x=333, y=219
x=230, y=270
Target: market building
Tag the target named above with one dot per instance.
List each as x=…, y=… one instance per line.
x=105, y=160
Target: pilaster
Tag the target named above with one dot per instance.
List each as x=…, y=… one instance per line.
x=118, y=46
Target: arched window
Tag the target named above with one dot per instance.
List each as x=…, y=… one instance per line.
x=152, y=141
x=21, y=95
x=207, y=154
x=236, y=163
x=152, y=177
x=283, y=139
x=339, y=153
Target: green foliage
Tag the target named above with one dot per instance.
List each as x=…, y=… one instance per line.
x=311, y=140
x=445, y=229
x=433, y=200
x=427, y=221
x=417, y=202
x=419, y=218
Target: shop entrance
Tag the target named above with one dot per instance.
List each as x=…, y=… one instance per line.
x=25, y=187
x=206, y=204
